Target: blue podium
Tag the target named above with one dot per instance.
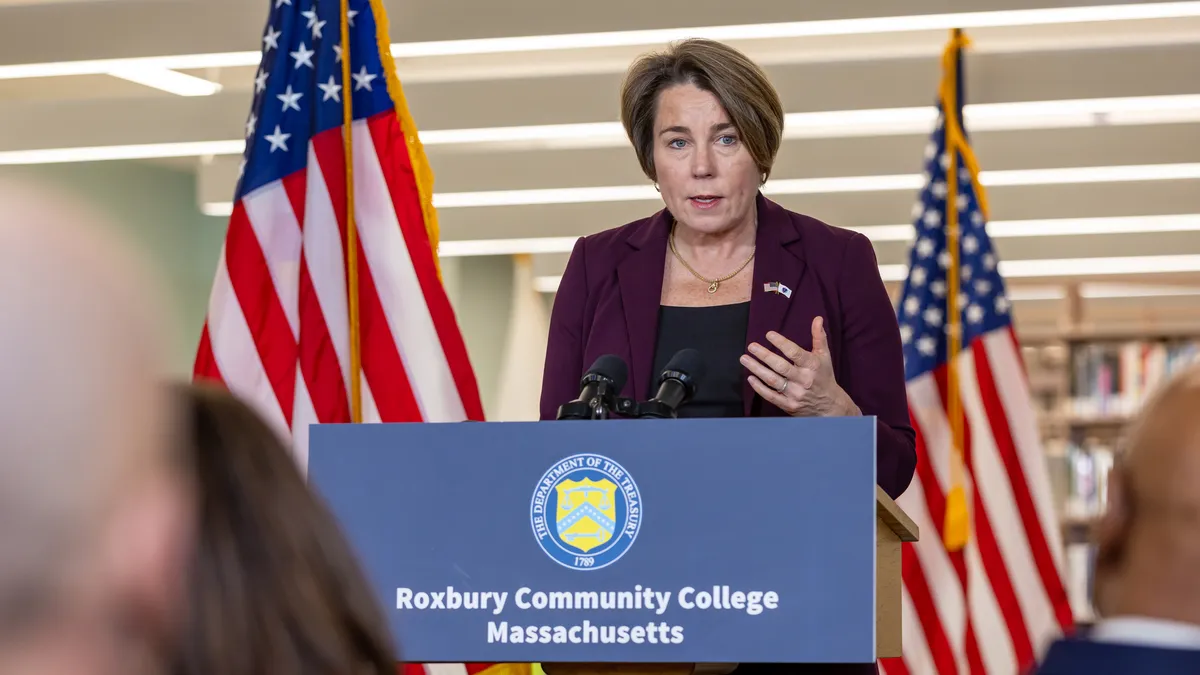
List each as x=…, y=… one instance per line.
x=622, y=545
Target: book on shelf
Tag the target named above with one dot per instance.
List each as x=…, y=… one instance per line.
x=1081, y=580
x=1087, y=490
x=1112, y=379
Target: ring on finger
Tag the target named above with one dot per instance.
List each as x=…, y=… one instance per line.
x=784, y=387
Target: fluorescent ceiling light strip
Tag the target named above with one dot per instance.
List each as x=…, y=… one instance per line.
x=835, y=124
x=1054, y=227
x=547, y=284
x=1100, y=291
x=1092, y=174
x=217, y=209
x=798, y=29
x=880, y=121
x=999, y=229
x=169, y=81
x=105, y=66
x=611, y=131
x=531, y=245
x=1017, y=269
x=1078, y=267
x=117, y=152
x=1036, y=293
x=799, y=186
x=584, y=195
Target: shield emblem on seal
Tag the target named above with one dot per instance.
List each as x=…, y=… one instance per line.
x=586, y=517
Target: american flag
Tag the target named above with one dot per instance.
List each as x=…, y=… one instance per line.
x=284, y=329
x=988, y=607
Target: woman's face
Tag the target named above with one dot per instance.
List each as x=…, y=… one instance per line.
x=707, y=177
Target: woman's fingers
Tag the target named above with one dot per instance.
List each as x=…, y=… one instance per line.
x=773, y=361
x=763, y=373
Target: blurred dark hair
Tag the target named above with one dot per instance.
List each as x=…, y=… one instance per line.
x=274, y=585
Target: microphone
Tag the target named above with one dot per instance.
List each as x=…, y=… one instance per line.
x=676, y=385
x=599, y=387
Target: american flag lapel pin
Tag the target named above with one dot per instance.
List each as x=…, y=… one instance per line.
x=777, y=287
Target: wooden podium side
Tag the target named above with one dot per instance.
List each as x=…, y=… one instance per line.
x=893, y=527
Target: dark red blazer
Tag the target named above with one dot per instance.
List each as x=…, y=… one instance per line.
x=608, y=303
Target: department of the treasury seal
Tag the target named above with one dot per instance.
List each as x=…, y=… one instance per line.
x=586, y=511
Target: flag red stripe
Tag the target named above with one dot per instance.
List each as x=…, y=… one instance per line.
x=318, y=357
x=989, y=551
x=1034, y=534
x=388, y=138
x=329, y=149
x=256, y=293
x=957, y=558
x=974, y=659
x=206, y=364
x=296, y=188
x=936, y=503
x=319, y=364
x=917, y=584
x=935, y=499
x=1001, y=583
x=894, y=666
x=382, y=366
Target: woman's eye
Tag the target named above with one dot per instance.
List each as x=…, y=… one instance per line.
x=727, y=140
x=677, y=143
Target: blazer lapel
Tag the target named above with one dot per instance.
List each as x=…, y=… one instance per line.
x=776, y=260
x=640, y=276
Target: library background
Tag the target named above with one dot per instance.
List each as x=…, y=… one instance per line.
x=1093, y=352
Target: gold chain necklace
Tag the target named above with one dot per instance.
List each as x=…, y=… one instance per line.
x=713, y=284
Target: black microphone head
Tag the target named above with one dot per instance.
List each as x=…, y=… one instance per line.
x=687, y=361
x=608, y=367
x=687, y=366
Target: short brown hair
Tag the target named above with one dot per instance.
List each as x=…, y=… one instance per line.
x=740, y=85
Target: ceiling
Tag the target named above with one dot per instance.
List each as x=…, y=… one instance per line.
x=858, y=78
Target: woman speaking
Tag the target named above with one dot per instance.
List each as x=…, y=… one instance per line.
x=789, y=314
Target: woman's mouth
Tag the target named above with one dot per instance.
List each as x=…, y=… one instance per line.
x=704, y=201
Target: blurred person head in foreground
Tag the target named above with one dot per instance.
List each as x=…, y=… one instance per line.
x=274, y=584
x=1147, y=579
x=93, y=516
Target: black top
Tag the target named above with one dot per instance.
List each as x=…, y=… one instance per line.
x=719, y=334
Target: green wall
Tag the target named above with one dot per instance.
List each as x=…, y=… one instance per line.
x=155, y=207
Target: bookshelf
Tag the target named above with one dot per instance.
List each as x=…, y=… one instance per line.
x=1090, y=369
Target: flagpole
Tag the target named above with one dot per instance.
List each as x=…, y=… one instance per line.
x=351, y=225
x=957, y=521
